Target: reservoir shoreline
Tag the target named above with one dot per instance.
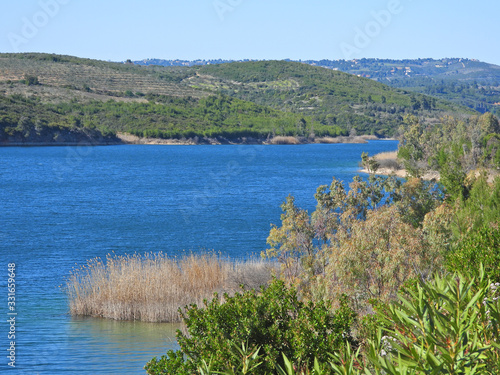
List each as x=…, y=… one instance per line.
x=130, y=139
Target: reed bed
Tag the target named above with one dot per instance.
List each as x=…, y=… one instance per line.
x=284, y=140
x=152, y=287
x=388, y=160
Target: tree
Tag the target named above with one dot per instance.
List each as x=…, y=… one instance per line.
x=481, y=246
x=411, y=149
x=291, y=242
x=489, y=124
x=378, y=220
x=370, y=164
x=374, y=257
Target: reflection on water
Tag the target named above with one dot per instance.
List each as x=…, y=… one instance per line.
x=50, y=344
x=131, y=344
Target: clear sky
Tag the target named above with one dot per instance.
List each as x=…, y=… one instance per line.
x=255, y=29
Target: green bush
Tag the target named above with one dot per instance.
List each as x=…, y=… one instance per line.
x=481, y=246
x=31, y=80
x=449, y=325
x=274, y=320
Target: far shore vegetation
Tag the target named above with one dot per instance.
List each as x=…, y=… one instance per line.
x=53, y=99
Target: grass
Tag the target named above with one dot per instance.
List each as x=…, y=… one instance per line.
x=284, y=140
x=152, y=287
x=388, y=160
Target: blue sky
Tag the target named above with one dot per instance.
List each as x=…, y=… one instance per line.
x=237, y=29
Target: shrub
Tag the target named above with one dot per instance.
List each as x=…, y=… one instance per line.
x=374, y=257
x=273, y=320
x=481, y=246
x=447, y=326
x=31, y=80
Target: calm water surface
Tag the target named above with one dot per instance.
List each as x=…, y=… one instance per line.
x=60, y=206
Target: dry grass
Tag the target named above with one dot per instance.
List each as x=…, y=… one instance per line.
x=343, y=139
x=386, y=155
x=152, y=287
x=388, y=160
x=281, y=140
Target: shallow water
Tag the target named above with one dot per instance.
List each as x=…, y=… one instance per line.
x=60, y=206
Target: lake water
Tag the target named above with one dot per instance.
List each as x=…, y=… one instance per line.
x=61, y=206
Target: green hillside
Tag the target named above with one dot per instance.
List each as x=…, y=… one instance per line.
x=330, y=97
x=45, y=97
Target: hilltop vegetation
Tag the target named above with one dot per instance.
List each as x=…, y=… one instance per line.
x=330, y=97
x=467, y=82
x=41, y=92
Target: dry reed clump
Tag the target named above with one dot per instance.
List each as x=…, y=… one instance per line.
x=388, y=160
x=344, y=139
x=152, y=287
x=281, y=140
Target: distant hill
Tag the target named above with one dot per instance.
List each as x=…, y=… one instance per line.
x=44, y=96
x=467, y=82
x=472, y=83
x=460, y=69
x=330, y=97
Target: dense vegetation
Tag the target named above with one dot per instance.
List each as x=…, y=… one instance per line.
x=482, y=97
x=466, y=82
x=412, y=267
x=356, y=254
x=454, y=147
x=159, y=117
x=26, y=120
x=331, y=97
x=249, y=99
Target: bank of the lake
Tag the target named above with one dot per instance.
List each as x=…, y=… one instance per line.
x=77, y=139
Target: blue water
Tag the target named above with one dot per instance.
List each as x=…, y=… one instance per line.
x=60, y=206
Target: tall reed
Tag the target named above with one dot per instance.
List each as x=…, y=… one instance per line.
x=152, y=287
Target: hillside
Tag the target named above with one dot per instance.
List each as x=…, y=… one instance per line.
x=466, y=82
x=330, y=97
x=40, y=93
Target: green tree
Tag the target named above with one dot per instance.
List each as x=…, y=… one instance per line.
x=292, y=242
x=489, y=124
x=411, y=149
x=481, y=246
